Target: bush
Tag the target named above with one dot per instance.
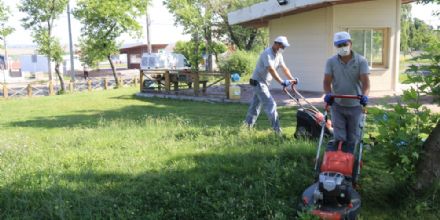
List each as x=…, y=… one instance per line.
x=241, y=62
x=402, y=129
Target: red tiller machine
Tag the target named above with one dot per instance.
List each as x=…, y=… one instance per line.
x=333, y=195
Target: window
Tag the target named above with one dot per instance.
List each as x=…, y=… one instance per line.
x=372, y=44
x=135, y=58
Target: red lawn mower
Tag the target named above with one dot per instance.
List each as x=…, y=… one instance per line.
x=333, y=195
x=309, y=119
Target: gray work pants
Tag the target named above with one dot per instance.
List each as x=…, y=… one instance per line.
x=263, y=98
x=346, y=124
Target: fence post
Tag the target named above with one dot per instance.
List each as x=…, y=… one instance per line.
x=105, y=84
x=5, y=91
x=227, y=84
x=89, y=85
x=51, y=92
x=141, y=80
x=71, y=86
x=167, y=81
x=135, y=81
x=196, y=84
x=121, y=82
x=29, y=90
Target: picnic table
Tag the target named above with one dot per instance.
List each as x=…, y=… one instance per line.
x=165, y=78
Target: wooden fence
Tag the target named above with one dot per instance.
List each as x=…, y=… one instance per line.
x=50, y=88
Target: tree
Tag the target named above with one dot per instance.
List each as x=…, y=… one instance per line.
x=428, y=168
x=245, y=38
x=187, y=49
x=40, y=18
x=196, y=18
x=52, y=46
x=405, y=22
x=5, y=29
x=103, y=22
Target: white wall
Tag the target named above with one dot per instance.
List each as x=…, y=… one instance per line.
x=311, y=37
x=308, y=35
x=375, y=14
x=28, y=66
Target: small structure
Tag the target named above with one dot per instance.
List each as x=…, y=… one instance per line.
x=310, y=24
x=134, y=53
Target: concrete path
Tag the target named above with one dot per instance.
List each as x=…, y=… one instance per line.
x=315, y=98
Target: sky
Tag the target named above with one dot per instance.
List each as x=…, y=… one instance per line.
x=163, y=29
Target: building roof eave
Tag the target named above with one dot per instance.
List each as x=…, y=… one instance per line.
x=260, y=14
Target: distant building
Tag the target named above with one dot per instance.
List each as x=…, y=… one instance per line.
x=134, y=53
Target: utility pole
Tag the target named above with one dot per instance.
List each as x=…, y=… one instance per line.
x=5, y=59
x=148, y=32
x=72, y=66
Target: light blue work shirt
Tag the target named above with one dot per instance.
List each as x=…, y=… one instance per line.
x=346, y=77
x=267, y=58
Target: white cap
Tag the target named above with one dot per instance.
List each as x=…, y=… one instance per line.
x=282, y=40
x=341, y=37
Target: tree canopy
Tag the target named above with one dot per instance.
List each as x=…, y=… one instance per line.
x=103, y=22
x=40, y=17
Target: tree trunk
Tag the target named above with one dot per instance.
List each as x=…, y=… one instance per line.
x=49, y=32
x=251, y=40
x=113, y=70
x=234, y=39
x=428, y=168
x=196, y=51
x=208, y=35
x=60, y=77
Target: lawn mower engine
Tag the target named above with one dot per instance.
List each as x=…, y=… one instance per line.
x=333, y=195
x=308, y=124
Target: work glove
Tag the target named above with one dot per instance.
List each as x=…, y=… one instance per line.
x=329, y=99
x=296, y=80
x=286, y=83
x=363, y=99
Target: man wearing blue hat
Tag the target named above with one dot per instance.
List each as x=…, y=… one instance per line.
x=346, y=73
x=266, y=69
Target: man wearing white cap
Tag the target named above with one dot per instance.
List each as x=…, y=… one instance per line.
x=346, y=73
x=266, y=69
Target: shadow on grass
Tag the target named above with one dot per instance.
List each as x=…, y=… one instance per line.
x=253, y=185
x=198, y=113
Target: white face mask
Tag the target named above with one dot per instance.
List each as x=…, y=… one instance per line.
x=281, y=50
x=343, y=51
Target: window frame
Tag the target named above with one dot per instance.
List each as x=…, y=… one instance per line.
x=385, y=45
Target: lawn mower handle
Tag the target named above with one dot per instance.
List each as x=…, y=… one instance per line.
x=346, y=96
x=327, y=106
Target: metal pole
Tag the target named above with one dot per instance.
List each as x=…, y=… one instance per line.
x=148, y=33
x=72, y=66
x=5, y=61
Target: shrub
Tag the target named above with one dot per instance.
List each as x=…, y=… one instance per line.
x=403, y=127
x=241, y=62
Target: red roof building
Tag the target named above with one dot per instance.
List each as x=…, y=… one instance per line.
x=134, y=53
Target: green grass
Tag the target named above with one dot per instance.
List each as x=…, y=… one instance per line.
x=405, y=62
x=110, y=155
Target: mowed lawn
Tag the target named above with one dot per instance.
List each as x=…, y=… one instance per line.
x=110, y=155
